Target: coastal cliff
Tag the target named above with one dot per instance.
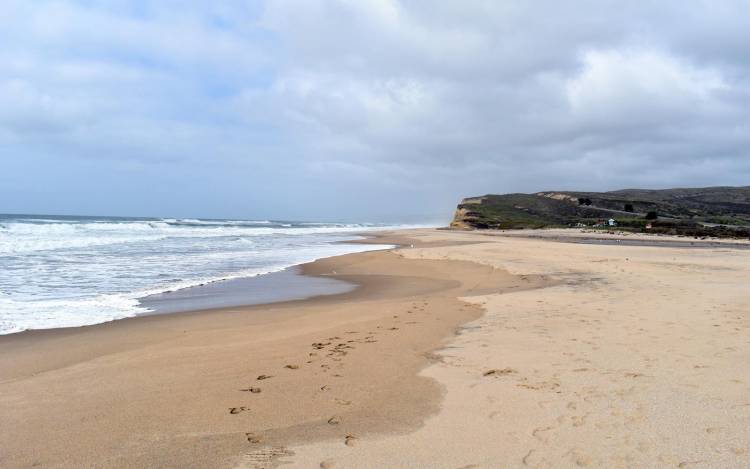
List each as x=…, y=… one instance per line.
x=711, y=211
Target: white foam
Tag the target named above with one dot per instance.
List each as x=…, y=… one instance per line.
x=62, y=273
x=18, y=238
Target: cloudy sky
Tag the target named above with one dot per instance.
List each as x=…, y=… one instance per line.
x=363, y=109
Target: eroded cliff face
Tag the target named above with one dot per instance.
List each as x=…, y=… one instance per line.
x=459, y=220
x=559, y=196
x=464, y=218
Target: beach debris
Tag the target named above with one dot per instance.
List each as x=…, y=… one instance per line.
x=335, y=420
x=251, y=389
x=499, y=372
x=252, y=438
x=236, y=410
x=262, y=377
x=350, y=440
x=292, y=367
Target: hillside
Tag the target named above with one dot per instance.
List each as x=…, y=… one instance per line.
x=710, y=211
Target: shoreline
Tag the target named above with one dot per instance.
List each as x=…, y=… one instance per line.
x=306, y=269
x=293, y=280
x=198, y=289
x=401, y=311
x=561, y=235
x=288, y=284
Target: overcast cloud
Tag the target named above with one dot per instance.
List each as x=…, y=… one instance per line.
x=363, y=109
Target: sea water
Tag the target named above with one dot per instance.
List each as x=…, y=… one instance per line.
x=61, y=271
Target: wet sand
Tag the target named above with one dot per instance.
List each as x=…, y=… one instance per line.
x=458, y=350
x=275, y=287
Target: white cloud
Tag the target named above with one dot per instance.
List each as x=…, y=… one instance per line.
x=381, y=99
x=628, y=83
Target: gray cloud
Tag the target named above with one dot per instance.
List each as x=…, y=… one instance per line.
x=374, y=108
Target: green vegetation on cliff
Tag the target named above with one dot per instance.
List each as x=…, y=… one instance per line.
x=712, y=211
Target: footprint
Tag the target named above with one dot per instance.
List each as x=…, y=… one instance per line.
x=252, y=438
x=253, y=390
x=237, y=410
x=537, y=433
x=262, y=377
x=335, y=420
x=526, y=458
x=292, y=367
x=350, y=440
x=499, y=372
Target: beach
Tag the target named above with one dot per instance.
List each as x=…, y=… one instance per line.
x=456, y=349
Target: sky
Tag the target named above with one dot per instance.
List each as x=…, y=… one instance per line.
x=363, y=110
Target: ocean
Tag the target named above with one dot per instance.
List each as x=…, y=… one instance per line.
x=62, y=271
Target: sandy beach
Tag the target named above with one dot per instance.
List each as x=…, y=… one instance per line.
x=457, y=350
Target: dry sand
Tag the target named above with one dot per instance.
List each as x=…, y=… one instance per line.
x=569, y=355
